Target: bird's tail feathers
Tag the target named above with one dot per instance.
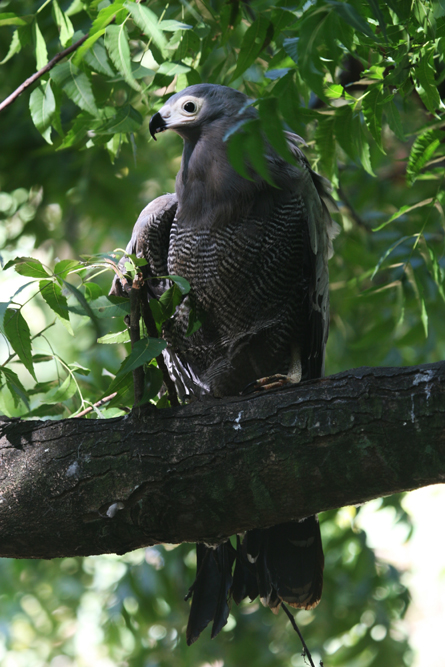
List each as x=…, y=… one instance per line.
x=210, y=590
x=279, y=564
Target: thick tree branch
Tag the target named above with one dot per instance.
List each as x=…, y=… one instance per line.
x=211, y=469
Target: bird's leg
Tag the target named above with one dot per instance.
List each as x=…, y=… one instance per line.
x=279, y=380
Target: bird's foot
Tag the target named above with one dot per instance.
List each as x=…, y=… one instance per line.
x=270, y=382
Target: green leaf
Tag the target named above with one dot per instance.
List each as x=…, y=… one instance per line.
x=374, y=4
x=116, y=41
x=422, y=151
x=14, y=47
x=3, y=309
x=147, y=21
x=372, y=111
x=426, y=85
x=424, y=316
x=44, y=411
x=15, y=386
x=126, y=119
x=96, y=57
x=42, y=105
x=81, y=370
x=170, y=300
x=194, y=322
x=158, y=313
x=350, y=15
x=83, y=308
x=59, y=394
x=153, y=383
x=18, y=334
x=106, y=15
x=172, y=68
x=169, y=25
x=93, y=291
x=325, y=141
x=394, y=121
x=52, y=294
x=252, y=44
x=9, y=18
x=403, y=210
x=143, y=351
x=104, y=306
x=79, y=129
x=28, y=266
x=120, y=337
x=350, y=134
x=39, y=46
x=85, y=50
x=66, y=266
x=182, y=283
x=290, y=45
x=273, y=128
x=122, y=385
x=76, y=85
x=66, y=30
x=246, y=148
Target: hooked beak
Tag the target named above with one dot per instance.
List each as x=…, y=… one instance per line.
x=157, y=124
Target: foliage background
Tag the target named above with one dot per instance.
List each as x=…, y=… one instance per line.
x=362, y=82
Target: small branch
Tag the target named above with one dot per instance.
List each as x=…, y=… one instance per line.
x=306, y=652
x=59, y=56
x=152, y=331
x=97, y=405
x=135, y=336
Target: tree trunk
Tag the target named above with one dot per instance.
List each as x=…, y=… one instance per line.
x=210, y=469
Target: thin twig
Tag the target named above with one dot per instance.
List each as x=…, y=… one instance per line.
x=97, y=405
x=295, y=627
x=59, y=56
x=152, y=331
x=135, y=336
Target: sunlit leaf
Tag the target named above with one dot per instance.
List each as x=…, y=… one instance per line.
x=28, y=266
x=404, y=209
x=350, y=15
x=76, y=85
x=422, y=151
x=14, y=47
x=147, y=21
x=42, y=105
x=116, y=41
x=66, y=30
x=121, y=337
x=40, y=50
x=14, y=385
x=170, y=25
x=59, y=394
x=19, y=337
x=426, y=85
x=52, y=294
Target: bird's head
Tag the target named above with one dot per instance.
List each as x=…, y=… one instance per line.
x=194, y=107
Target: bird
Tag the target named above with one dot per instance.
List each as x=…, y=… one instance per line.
x=255, y=252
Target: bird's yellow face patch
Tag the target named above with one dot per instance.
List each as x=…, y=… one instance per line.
x=183, y=111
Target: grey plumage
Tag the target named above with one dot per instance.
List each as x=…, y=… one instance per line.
x=256, y=259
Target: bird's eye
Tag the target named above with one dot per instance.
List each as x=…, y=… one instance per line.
x=190, y=107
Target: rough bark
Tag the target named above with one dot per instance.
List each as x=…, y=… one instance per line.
x=211, y=469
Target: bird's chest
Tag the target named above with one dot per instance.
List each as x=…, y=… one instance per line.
x=251, y=262
x=208, y=258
